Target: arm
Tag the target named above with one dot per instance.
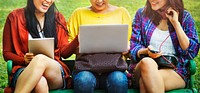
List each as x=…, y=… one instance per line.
x=8, y=43
x=182, y=37
x=136, y=38
x=73, y=25
x=187, y=35
x=191, y=33
x=67, y=49
x=127, y=20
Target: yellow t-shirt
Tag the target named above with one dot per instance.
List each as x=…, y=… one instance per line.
x=84, y=16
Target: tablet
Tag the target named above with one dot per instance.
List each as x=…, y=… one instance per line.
x=42, y=46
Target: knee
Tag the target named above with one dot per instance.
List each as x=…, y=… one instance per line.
x=84, y=78
x=147, y=63
x=38, y=61
x=39, y=57
x=41, y=86
x=117, y=78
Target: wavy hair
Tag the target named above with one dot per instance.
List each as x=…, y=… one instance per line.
x=156, y=18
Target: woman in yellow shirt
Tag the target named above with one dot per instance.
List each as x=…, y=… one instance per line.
x=100, y=12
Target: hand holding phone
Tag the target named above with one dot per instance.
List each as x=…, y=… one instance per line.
x=154, y=51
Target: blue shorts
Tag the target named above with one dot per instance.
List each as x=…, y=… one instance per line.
x=19, y=71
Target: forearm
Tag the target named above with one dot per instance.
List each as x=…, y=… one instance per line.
x=70, y=48
x=182, y=37
x=15, y=58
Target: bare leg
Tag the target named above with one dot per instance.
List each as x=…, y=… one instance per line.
x=157, y=81
x=142, y=87
x=150, y=76
x=171, y=79
x=38, y=67
x=41, y=87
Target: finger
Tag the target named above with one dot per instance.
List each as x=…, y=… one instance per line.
x=150, y=47
x=30, y=54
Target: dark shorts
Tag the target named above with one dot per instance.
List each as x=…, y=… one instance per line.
x=19, y=71
x=133, y=81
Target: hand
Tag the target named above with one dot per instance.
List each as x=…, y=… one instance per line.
x=126, y=54
x=28, y=57
x=172, y=15
x=152, y=54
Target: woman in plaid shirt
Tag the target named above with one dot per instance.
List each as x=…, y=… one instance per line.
x=164, y=26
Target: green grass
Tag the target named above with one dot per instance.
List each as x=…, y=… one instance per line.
x=67, y=7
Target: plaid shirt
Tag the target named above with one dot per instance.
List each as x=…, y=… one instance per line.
x=143, y=29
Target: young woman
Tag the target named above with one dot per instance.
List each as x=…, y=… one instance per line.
x=100, y=12
x=163, y=26
x=31, y=72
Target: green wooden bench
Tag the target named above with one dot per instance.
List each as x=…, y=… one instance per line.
x=189, y=89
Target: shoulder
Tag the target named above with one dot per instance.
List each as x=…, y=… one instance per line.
x=60, y=18
x=186, y=15
x=17, y=13
x=123, y=9
x=140, y=10
x=139, y=13
x=81, y=12
x=81, y=9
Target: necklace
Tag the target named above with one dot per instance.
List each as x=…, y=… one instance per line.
x=40, y=30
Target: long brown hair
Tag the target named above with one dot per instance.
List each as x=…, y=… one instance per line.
x=156, y=18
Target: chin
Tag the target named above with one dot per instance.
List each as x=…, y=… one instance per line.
x=155, y=9
x=43, y=11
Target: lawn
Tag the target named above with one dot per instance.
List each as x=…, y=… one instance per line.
x=67, y=7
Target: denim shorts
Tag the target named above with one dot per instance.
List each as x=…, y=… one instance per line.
x=19, y=71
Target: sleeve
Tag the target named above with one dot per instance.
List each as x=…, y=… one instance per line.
x=127, y=20
x=188, y=26
x=136, y=42
x=73, y=25
x=67, y=49
x=8, y=47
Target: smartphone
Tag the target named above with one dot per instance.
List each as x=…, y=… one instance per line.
x=154, y=51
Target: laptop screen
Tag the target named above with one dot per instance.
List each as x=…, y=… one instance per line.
x=103, y=38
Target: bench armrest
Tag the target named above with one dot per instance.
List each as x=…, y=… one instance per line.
x=9, y=69
x=192, y=67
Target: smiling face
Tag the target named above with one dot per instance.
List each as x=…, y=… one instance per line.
x=42, y=6
x=99, y=5
x=157, y=4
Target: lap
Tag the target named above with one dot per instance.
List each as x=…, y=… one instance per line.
x=50, y=69
x=100, y=80
x=172, y=80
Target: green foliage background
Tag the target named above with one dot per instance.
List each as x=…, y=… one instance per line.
x=67, y=6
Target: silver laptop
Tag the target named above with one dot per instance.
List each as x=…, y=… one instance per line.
x=42, y=46
x=103, y=38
